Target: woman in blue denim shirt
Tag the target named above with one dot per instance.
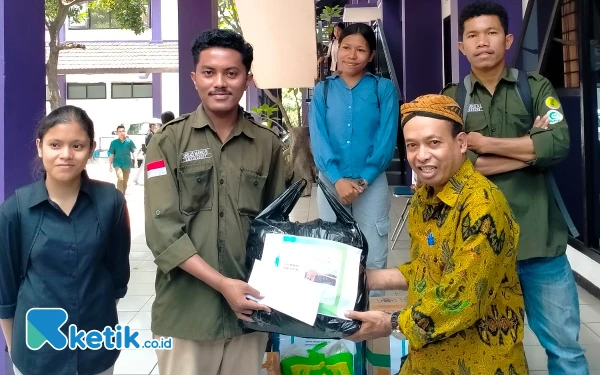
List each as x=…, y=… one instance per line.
x=353, y=123
x=64, y=243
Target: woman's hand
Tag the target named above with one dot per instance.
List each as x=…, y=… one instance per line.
x=347, y=190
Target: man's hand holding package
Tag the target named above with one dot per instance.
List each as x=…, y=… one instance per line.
x=375, y=324
x=235, y=292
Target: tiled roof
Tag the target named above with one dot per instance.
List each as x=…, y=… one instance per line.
x=120, y=57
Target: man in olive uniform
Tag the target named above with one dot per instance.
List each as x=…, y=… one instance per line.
x=515, y=150
x=209, y=173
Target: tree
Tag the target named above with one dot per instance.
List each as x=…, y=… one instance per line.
x=328, y=15
x=292, y=101
x=128, y=14
x=229, y=19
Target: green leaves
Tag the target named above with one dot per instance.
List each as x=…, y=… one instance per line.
x=266, y=112
x=228, y=16
x=129, y=14
x=330, y=12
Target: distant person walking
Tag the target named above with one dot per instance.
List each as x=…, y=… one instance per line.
x=121, y=158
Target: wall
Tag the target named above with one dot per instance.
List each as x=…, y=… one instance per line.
x=422, y=42
x=362, y=13
x=281, y=59
x=169, y=19
x=170, y=93
x=446, y=8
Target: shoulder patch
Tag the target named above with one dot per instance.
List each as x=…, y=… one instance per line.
x=552, y=103
x=554, y=116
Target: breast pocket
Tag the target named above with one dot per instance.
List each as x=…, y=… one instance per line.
x=476, y=122
x=520, y=124
x=195, y=188
x=252, y=185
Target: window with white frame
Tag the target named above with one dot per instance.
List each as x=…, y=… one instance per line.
x=131, y=90
x=86, y=91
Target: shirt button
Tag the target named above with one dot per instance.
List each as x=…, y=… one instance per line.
x=222, y=214
x=255, y=183
x=348, y=142
x=493, y=130
x=221, y=181
x=349, y=106
x=348, y=124
x=72, y=248
x=199, y=179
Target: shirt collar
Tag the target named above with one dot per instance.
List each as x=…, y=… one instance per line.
x=506, y=76
x=336, y=75
x=39, y=193
x=449, y=194
x=243, y=125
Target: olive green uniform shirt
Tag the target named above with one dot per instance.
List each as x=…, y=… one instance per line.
x=202, y=202
x=544, y=231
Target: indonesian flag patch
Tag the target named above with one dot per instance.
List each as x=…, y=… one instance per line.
x=156, y=168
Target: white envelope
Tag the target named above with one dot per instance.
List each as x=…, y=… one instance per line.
x=284, y=291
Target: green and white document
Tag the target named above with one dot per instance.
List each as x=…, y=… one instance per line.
x=331, y=269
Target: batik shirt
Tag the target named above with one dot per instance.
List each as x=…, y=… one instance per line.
x=465, y=306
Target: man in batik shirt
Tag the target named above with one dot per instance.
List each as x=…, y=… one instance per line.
x=465, y=305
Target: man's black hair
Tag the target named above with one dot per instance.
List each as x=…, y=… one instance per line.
x=166, y=117
x=482, y=8
x=223, y=39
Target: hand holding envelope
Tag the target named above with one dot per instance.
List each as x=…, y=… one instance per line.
x=284, y=291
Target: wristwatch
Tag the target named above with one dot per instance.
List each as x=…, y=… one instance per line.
x=362, y=183
x=396, y=326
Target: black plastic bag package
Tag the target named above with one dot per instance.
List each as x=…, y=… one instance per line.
x=275, y=219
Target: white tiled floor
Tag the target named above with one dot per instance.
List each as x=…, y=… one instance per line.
x=136, y=306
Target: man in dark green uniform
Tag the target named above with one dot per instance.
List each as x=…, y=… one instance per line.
x=515, y=150
x=208, y=174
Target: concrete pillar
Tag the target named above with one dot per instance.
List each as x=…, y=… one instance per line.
x=22, y=99
x=422, y=52
x=156, y=26
x=156, y=95
x=391, y=11
x=62, y=88
x=195, y=17
x=22, y=93
x=460, y=65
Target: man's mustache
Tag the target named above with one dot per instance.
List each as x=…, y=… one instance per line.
x=219, y=92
